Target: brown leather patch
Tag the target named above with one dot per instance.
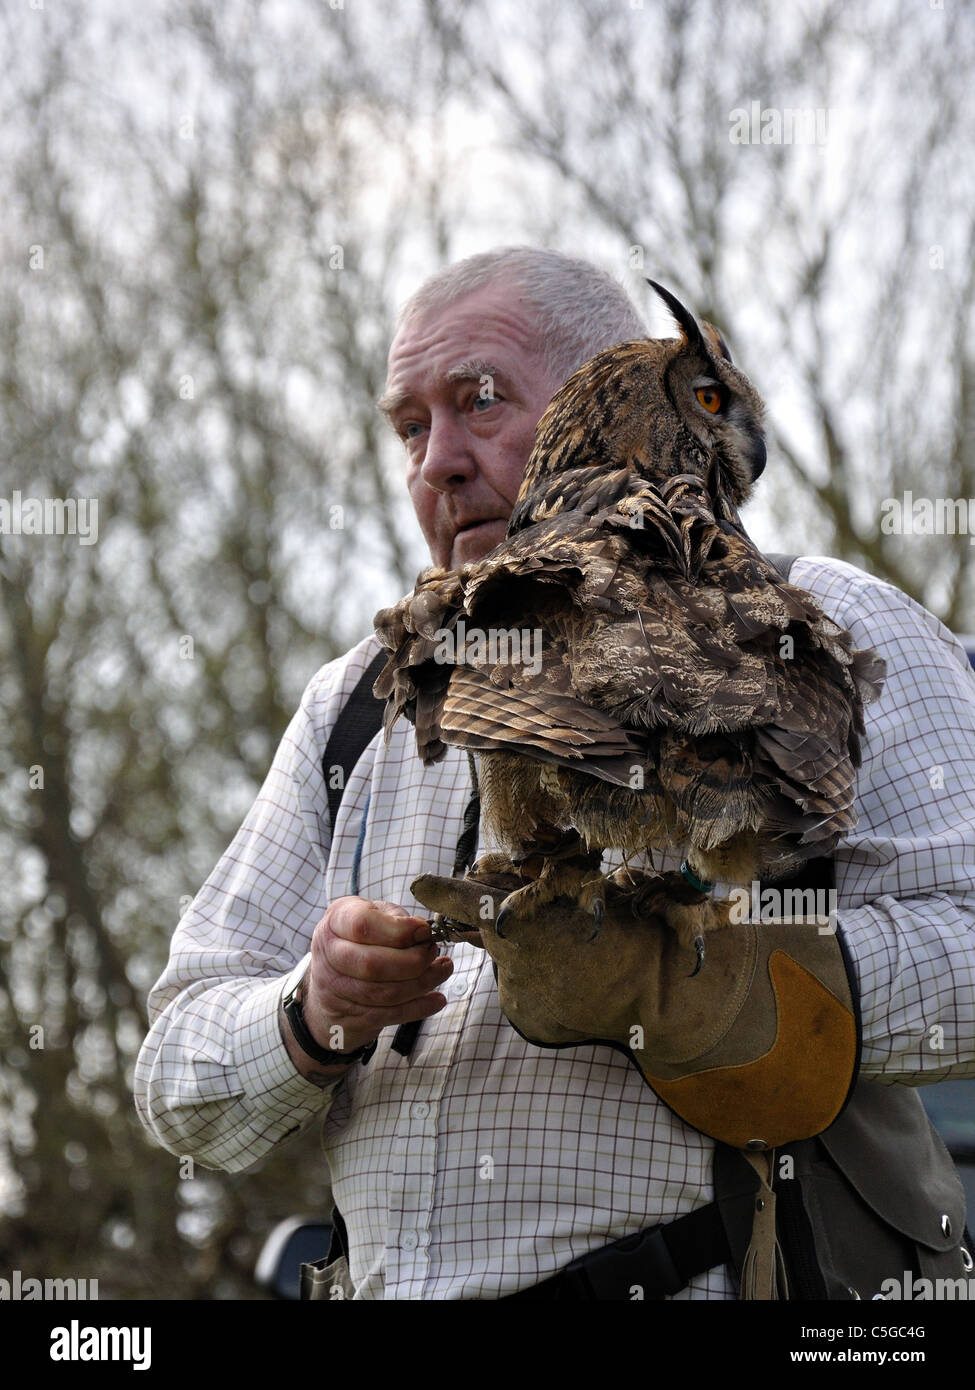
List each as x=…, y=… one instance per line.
x=795, y=1089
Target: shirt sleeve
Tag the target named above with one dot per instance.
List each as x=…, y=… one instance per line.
x=906, y=875
x=214, y=1079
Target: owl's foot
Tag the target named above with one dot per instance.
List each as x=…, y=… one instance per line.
x=493, y=864
x=577, y=878
x=689, y=912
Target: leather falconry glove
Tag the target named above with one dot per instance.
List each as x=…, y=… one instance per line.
x=757, y=1050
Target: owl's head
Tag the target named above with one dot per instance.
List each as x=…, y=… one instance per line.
x=716, y=402
x=654, y=408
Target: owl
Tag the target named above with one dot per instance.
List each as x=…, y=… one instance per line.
x=628, y=669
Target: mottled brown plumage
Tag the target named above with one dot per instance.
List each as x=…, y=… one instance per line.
x=683, y=694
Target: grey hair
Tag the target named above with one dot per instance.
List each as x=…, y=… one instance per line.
x=578, y=308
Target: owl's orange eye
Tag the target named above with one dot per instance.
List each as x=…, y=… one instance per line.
x=711, y=397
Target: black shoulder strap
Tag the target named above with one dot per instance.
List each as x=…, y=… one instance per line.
x=783, y=563
x=360, y=719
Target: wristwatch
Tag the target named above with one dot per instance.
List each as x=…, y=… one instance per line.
x=326, y=1055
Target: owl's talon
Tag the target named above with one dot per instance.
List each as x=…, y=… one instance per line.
x=698, y=944
x=598, y=911
x=502, y=917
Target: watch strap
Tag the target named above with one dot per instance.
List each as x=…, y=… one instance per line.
x=326, y=1055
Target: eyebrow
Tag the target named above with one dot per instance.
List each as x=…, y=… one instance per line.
x=472, y=370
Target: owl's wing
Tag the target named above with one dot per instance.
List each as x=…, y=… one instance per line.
x=414, y=680
x=537, y=723
x=784, y=680
x=481, y=685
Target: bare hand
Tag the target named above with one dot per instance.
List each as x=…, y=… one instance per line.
x=373, y=966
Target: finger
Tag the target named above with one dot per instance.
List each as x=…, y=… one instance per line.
x=340, y=990
x=377, y=964
x=376, y=923
x=417, y=1009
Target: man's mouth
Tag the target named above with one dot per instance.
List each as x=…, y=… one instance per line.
x=471, y=526
x=472, y=540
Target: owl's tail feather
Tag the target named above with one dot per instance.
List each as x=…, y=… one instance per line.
x=712, y=784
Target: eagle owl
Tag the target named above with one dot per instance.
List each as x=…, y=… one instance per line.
x=630, y=671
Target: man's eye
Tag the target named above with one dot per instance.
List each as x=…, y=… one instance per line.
x=411, y=429
x=484, y=401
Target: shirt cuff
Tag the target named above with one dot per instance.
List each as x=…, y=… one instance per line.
x=267, y=1073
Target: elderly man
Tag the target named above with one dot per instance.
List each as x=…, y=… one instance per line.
x=477, y=1165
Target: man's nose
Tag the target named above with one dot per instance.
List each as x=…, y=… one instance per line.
x=448, y=460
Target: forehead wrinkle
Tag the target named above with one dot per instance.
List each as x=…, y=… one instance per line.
x=510, y=323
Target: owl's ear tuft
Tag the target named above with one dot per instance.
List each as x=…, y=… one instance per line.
x=702, y=335
x=686, y=321
x=717, y=342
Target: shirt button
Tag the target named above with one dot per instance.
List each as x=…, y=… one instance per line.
x=458, y=989
x=409, y=1240
x=420, y=1110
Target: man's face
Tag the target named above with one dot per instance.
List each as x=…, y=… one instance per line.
x=465, y=389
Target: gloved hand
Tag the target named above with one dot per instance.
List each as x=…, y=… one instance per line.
x=757, y=1049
